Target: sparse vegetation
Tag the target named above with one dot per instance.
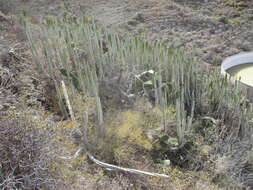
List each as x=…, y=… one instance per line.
x=23, y=154
x=86, y=56
x=139, y=100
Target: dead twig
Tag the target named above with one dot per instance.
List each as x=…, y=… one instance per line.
x=129, y=170
x=111, y=166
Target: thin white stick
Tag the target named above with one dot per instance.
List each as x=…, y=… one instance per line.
x=113, y=167
x=129, y=170
x=67, y=101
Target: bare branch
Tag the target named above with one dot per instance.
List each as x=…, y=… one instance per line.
x=129, y=170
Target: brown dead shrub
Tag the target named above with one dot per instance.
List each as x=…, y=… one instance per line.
x=23, y=155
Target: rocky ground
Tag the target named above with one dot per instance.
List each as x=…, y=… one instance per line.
x=214, y=29
x=210, y=29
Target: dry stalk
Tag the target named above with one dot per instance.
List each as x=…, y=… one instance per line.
x=129, y=170
x=67, y=101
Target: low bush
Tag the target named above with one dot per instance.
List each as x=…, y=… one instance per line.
x=23, y=158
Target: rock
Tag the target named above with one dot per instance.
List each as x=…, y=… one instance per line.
x=166, y=162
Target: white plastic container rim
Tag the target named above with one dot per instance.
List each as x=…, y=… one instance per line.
x=236, y=60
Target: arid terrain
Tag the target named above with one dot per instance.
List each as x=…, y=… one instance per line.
x=210, y=30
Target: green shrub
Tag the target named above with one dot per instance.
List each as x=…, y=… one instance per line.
x=90, y=58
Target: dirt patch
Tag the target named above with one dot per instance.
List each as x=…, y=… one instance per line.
x=213, y=29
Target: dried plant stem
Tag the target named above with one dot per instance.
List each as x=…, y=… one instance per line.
x=67, y=101
x=113, y=167
x=129, y=170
